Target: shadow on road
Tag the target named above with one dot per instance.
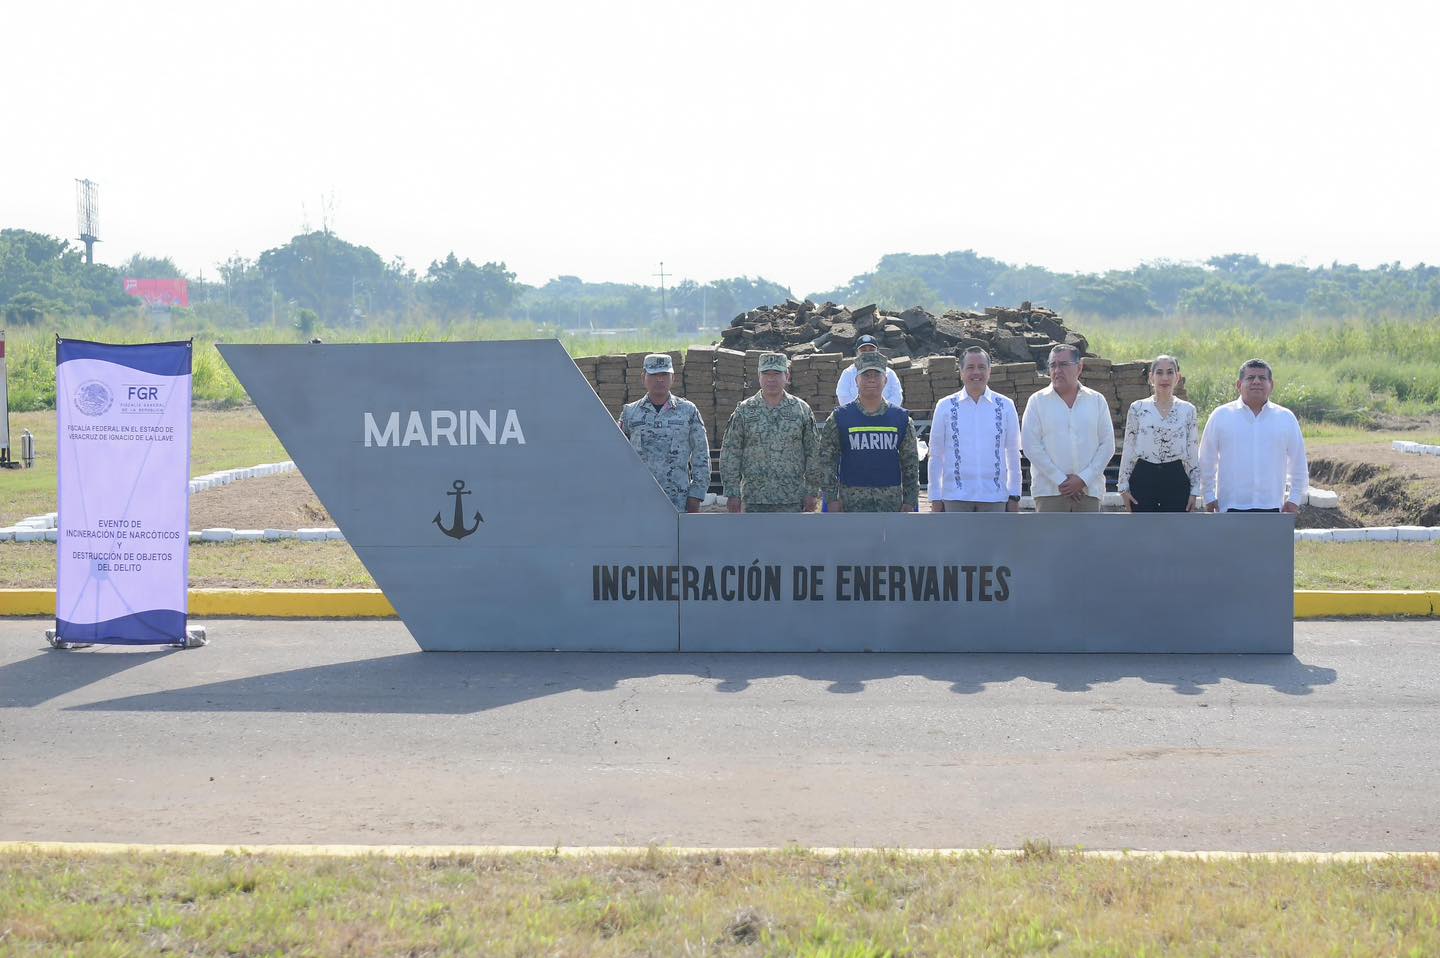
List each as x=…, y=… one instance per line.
x=53, y=673
x=442, y=683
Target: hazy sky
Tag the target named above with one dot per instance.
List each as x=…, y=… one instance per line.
x=799, y=141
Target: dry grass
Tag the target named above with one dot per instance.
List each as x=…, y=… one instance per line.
x=780, y=903
x=1367, y=565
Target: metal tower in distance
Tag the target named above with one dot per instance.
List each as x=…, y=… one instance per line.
x=87, y=216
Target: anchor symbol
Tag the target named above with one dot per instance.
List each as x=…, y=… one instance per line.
x=458, y=530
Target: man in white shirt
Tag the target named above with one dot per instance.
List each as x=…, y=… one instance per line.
x=975, y=445
x=1068, y=437
x=848, y=390
x=1252, y=450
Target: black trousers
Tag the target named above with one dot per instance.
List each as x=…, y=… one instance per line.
x=1159, y=487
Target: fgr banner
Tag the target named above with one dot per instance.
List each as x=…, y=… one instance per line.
x=124, y=462
x=4, y=399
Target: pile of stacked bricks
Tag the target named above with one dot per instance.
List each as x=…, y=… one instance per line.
x=716, y=378
x=1021, y=333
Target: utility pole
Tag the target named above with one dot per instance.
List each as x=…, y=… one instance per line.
x=662, y=275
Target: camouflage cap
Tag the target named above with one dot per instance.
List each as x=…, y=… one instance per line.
x=659, y=363
x=774, y=363
x=873, y=360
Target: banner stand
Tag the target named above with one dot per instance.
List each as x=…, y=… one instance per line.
x=123, y=478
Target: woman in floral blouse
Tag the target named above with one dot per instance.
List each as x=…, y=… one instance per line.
x=1160, y=466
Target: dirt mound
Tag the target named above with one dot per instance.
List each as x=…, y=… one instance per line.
x=274, y=502
x=1378, y=486
x=1350, y=473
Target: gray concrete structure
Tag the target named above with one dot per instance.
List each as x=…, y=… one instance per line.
x=497, y=505
x=344, y=732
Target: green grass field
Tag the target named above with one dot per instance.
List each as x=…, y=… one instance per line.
x=1318, y=435
x=1337, y=372
x=1367, y=565
x=784, y=903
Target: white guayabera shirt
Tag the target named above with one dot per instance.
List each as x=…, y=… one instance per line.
x=1253, y=458
x=974, y=448
x=1060, y=440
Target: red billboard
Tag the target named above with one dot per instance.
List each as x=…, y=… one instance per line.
x=160, y=292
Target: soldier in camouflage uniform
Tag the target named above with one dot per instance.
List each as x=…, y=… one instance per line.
x=669, y=435
x=768, y=460
x=869, y=459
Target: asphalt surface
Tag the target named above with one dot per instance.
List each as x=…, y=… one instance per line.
x=343, y=732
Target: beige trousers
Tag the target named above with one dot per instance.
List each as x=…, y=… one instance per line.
x=1066, y=504
x=970, y=505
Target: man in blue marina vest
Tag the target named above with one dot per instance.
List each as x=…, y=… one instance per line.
x=868, y=455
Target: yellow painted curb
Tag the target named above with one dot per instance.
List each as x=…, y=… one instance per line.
x=582, y=851
x=372, y=604
x=239, y=603
x=27, y=601
x=1322, y=605
x=291, y=603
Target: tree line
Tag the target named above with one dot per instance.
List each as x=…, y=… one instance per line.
x=319, y=279
x=1236, y=285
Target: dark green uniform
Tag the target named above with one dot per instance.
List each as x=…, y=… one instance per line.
x=768, y=457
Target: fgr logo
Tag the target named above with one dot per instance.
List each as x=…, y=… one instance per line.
x=142, y=398
x=93, y=398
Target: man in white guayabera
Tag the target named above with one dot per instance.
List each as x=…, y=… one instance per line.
x=1252, y=450
x=1068, y=436
x=975, y=445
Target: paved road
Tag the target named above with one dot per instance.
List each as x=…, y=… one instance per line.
x=343, y=732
